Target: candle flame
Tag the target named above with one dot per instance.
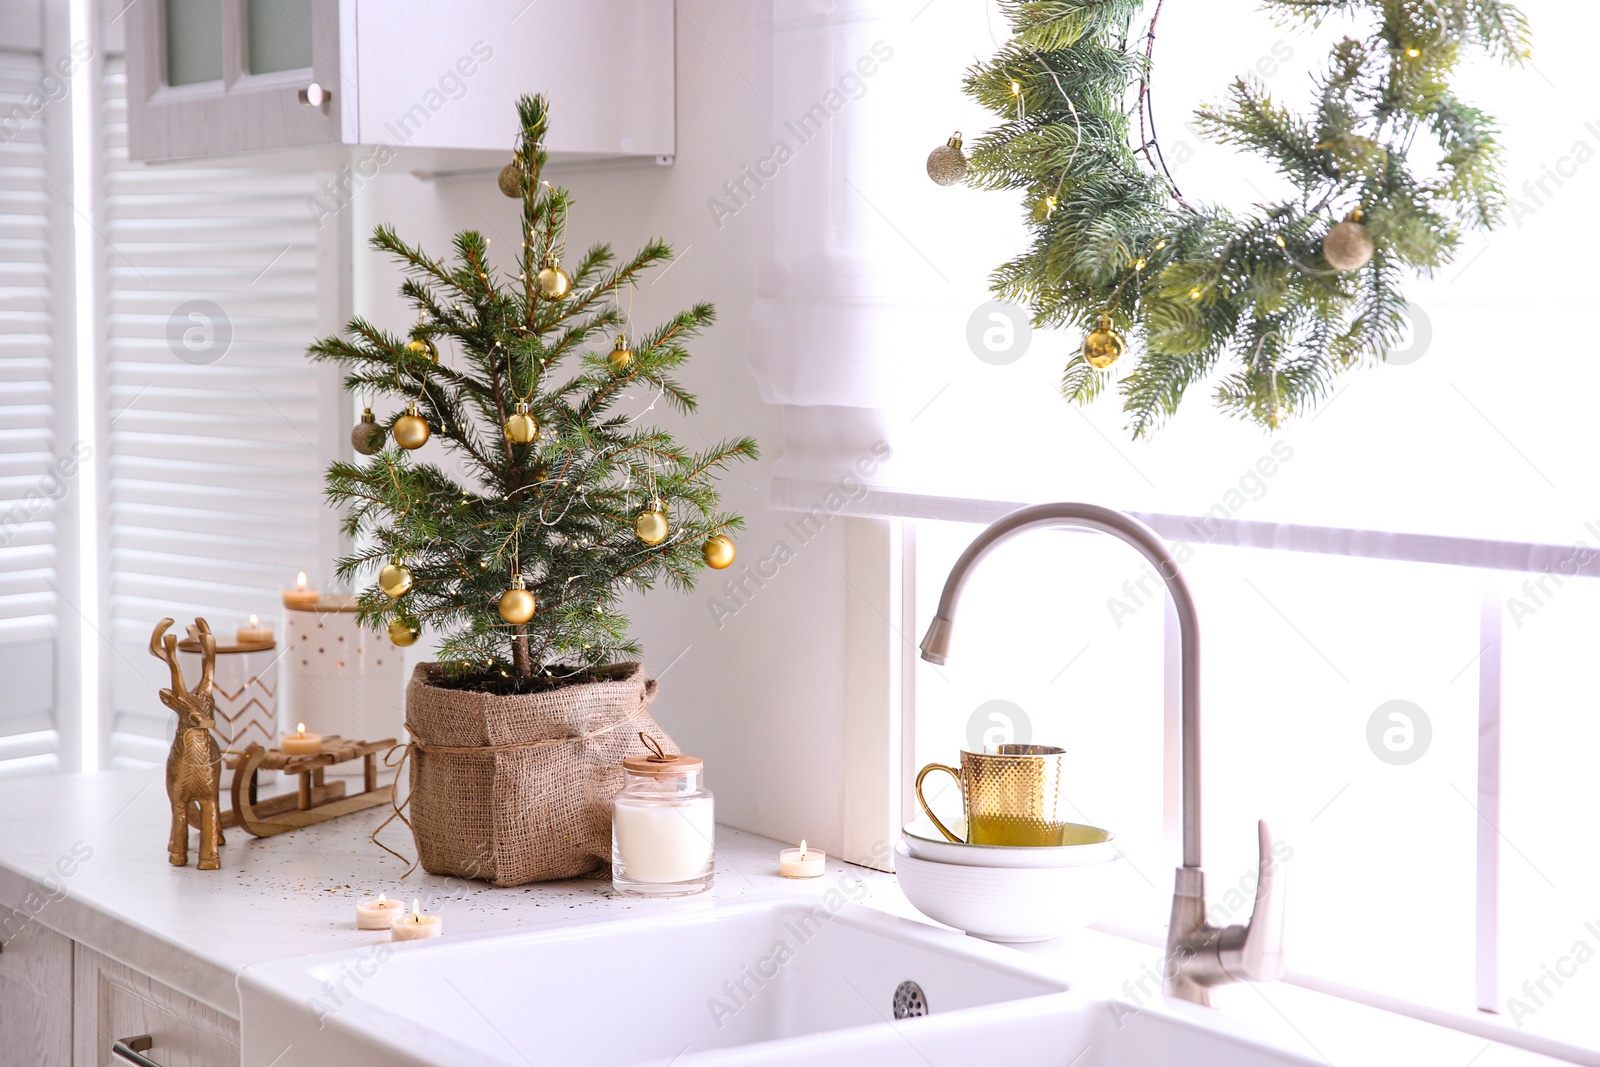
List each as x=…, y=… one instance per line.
x=302, y=728
x=382, y=899
x=802, y=848
x=255, y=621
x=416, y=910
x=300, y=580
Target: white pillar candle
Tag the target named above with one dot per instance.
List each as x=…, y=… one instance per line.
x=802, y=862
x=416, y=926
x=301, y=743
x=664, y=842
x=377, y=914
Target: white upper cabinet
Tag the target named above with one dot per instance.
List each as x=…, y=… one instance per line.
x=432, y=84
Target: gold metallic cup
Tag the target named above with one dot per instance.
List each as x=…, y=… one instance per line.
x=1012, y=796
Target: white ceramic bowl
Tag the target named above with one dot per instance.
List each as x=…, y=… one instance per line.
x=925, y=842
x=1010, y=904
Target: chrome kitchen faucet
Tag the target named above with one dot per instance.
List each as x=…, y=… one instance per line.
x=1199, y=955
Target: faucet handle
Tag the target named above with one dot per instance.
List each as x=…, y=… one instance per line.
x=1254, y=952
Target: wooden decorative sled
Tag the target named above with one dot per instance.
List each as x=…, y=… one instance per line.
x=316, y=800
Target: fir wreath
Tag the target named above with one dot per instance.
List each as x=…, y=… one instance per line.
x=1294, y=292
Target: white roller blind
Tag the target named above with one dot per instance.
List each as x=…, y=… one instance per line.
x=219, y=431
x=30, y=484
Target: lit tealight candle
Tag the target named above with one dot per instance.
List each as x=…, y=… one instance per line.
x=301, y=743
x=802, y=862
x=302, y=597
x=254, y=633
x=377, y=914
x=416, y=926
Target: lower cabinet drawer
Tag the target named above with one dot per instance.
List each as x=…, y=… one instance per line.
x=117, y=1003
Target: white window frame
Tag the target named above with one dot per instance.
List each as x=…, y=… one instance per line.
x=882, y=557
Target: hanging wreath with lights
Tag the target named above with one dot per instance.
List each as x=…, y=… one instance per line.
x=1291, y=294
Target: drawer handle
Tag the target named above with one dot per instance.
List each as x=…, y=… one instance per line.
x=128, y=1049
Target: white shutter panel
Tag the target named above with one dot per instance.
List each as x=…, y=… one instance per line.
x=215, y=467
x=29, y=734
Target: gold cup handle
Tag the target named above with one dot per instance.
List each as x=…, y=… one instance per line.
x=952, y=772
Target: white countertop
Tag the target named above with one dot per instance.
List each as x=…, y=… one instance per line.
x=287, y=895
x=295, y=894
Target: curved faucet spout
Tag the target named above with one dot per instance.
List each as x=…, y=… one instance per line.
x=936, y=645
x=1199, y=955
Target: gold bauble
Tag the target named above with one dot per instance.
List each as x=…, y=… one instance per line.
x=395, y=580
x=411, y=430
x=367, y=436
x=522, y=428
x=1103, y=346
x=424, y=347
x=404, y=630
x=554, y=283
x=516, y=604
x=511, y=182
x=651, y=526
x=621, y=357
x=947, y=164
x=718, y=551
x=1348, y=245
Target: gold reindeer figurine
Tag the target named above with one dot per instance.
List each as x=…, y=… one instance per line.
x=195, y=763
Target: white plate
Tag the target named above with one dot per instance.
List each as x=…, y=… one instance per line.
x=1014, y=904
x=925, y=842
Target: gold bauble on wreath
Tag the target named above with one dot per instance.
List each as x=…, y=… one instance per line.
x=395, y=580
x=521, y=427
x=411, y=430
x=651, y=526
x=367, y=436
x=404, y=630
x=621, y=357
x=718, y=551
x=517, y=604
x=1104, y=345
x=424, y=347
x=947, y=164
x=554, y=283
x=1348, y=245
x=511, y=182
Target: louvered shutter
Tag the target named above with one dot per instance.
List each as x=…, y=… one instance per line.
x=215, y=467
x=32, y=224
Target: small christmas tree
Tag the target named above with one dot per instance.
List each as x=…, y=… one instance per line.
x=572, y=500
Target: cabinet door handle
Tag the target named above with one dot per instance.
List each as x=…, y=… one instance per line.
x=128, y=1050
x=315, y=95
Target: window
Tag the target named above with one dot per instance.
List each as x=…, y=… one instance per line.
x=1419, y=538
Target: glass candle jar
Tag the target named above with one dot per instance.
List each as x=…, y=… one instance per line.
x=662, y=827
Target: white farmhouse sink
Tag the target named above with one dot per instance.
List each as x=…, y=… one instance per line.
x=745, y=983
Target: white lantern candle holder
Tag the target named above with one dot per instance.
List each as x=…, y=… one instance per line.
x=340, y=678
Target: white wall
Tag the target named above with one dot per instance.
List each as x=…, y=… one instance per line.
x=760, y=697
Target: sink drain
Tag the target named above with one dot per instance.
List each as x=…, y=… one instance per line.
x=909, y=1001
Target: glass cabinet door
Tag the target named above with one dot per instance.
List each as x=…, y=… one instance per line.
x=214, y=77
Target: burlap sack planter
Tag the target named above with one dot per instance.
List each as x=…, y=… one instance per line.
x=517, y=789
